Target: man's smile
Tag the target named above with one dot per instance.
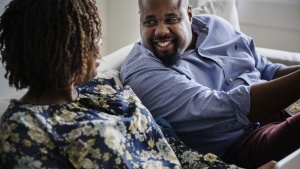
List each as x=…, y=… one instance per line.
x=163, y=44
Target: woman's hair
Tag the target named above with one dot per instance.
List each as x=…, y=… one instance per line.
x=45, y=43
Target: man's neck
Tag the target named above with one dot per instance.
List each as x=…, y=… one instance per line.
x=193, y=41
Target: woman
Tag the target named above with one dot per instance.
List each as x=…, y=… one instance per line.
x=68, y=118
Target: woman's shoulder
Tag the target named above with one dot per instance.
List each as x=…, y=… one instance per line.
x=17, y=111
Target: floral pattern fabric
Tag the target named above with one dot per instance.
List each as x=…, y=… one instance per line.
x=106, y=127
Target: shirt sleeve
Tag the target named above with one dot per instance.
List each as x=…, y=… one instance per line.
x=263, y=65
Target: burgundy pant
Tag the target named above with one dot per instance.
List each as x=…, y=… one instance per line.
x=276, y=138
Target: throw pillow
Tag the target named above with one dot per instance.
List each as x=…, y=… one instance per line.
x=223, y=8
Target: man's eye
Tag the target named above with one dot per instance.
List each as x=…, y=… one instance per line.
x=149, y=23
x=172, y=20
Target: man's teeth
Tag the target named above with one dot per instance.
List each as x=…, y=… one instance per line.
x=163, y=44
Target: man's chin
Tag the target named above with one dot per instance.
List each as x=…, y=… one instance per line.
x=170, y=60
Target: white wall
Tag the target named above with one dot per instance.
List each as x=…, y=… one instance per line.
x=271, y=23
x=5, y=90
x=101, y=4
x=120, y=23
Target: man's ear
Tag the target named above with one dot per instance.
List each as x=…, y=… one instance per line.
x=190, y=13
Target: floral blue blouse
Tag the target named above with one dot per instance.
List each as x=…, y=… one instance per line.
x=106, y=127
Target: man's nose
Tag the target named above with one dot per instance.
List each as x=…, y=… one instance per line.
x=161, y=30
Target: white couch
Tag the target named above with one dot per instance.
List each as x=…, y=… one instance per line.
x=110, y=64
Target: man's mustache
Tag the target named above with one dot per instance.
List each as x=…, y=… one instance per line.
x=161, y=38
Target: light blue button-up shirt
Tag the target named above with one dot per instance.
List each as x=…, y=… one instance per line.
x=206, y=97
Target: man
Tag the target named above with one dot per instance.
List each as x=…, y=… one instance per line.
x=207, y=80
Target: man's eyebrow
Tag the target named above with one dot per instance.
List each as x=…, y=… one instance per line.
x=150, y=17
x=171, y=15
x=166, y=15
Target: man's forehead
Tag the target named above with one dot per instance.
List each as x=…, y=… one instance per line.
x=146, y=4
x=153, y=7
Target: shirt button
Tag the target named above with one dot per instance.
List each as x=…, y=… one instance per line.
x=219, y=61
x=230, y=79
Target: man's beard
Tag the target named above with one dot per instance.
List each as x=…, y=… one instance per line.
x=169, y=59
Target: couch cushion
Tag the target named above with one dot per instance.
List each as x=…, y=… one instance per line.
x=226, y=9
x=279, y=56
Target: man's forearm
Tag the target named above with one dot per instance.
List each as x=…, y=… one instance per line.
x=273, y=96
x=286, y=70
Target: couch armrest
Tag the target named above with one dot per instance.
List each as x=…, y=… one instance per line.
x=110, y=65
x=114, y=60
x=280, y=56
